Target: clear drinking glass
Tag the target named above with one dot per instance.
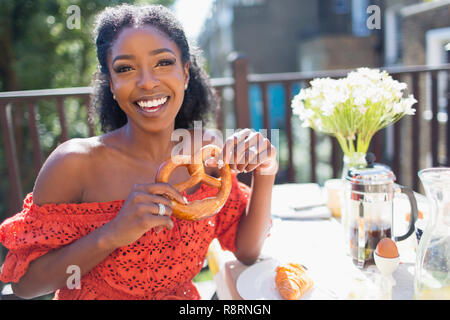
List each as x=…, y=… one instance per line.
x=432, y=272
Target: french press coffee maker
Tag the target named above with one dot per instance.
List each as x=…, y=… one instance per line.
x=370, y=194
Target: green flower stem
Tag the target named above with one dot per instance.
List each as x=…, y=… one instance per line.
x=343, y=144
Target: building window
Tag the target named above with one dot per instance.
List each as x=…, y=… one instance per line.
x=359, y=17
x=341, y=6
x=249, y=3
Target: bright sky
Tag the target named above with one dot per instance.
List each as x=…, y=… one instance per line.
x=192, y=14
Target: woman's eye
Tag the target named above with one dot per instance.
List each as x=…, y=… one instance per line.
x=121, y=69
x=165, y=62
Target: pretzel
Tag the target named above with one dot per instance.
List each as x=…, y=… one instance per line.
x=197, y=209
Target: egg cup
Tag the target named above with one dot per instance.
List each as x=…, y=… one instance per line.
x=387, y=266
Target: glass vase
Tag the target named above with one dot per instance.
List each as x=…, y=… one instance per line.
x=354, y=160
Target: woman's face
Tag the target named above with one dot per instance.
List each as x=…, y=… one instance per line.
x=148, y=77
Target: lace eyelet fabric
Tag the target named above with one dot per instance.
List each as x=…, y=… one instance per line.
x=156, y=266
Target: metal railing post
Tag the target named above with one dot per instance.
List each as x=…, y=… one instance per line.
x=434, y=142
x=447, y=142
x=34, y=133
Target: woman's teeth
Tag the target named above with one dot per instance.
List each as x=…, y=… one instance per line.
x=151, y=103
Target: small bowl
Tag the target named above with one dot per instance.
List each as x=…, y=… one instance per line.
x=386, y=265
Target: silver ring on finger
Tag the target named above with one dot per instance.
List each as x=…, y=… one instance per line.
x=162, y=209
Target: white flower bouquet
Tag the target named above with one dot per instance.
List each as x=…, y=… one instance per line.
x=353, y=108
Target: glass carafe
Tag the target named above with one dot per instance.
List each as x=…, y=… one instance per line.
x=432, y=272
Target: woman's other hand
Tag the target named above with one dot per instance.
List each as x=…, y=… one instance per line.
x=247, y=151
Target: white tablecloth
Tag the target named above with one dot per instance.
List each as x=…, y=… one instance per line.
x=319, y=245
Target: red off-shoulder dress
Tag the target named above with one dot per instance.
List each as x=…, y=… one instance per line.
x=157, y=266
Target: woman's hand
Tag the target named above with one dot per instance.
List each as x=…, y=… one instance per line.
x=139, y=212
x=247, y=151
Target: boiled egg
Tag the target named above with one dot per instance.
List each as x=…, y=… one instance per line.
x=387, y=248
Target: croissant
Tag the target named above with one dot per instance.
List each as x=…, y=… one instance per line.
x=292, y=281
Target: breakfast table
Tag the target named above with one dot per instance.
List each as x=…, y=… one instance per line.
x=311, y=236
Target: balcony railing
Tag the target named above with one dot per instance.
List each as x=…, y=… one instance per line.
x=429, y=85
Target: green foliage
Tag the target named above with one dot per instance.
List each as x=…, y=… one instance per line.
x=46, y=53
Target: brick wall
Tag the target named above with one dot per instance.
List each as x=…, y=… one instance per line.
x=338, y=52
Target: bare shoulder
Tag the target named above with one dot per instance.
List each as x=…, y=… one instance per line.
x=63, y=175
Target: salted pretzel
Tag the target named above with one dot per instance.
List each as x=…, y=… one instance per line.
x=197, y=209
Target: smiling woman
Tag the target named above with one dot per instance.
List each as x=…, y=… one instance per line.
x=199, y=100
x=146, y=81
x=97, y=206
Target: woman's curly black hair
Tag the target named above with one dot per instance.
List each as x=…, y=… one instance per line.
x=199, y=101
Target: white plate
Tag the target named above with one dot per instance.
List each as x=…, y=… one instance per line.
x=258, y=283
